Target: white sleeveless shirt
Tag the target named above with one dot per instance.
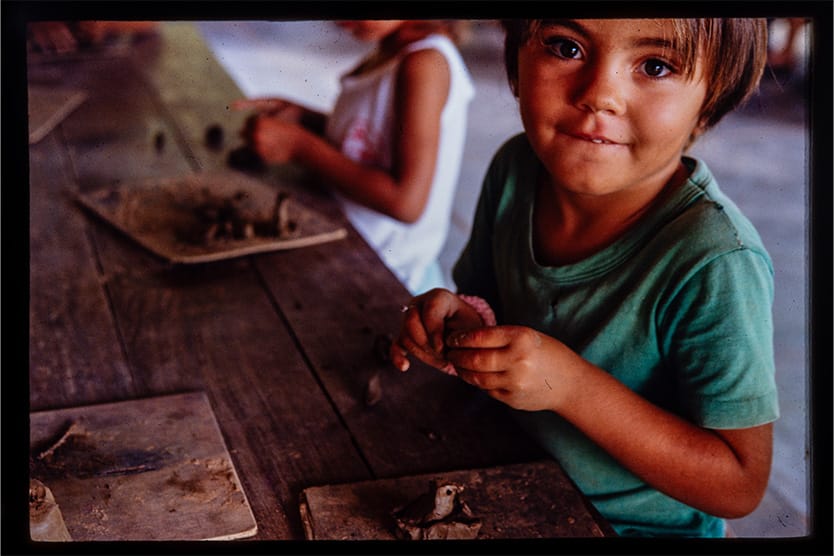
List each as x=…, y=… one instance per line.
x=361, y=125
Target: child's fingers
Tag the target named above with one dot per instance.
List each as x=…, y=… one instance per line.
x=486, y=349
x=518, y=337
x=414, y=326
x=487, y=337
x=482, y=360
x=425, y=355
x=260, y=104
x=399, y=357
x=433, y=312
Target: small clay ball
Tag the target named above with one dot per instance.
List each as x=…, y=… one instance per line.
x=214, y=136
x=245, y=159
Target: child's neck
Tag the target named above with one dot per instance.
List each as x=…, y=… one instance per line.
x=568, y=227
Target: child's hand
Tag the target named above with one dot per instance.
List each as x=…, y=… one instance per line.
x=428, y=319
x=272, y=138
x=288, y=111
x=514, y=364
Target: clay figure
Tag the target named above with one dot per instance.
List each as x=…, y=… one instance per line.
x=438, y=513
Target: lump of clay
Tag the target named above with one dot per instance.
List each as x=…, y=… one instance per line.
x=438, y=513
x=246, y=159
x=221, y=218
x=214, y=137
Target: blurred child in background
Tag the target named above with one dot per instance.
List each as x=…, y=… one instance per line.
x=392, y=146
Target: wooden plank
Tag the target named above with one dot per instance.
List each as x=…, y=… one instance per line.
x=214, y=327
x=431, y=415
x=151, y=469
x=75, y=355
x=209, y=327
x=522, y=501
x=425, y=421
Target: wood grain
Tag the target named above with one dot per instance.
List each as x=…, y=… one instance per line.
x=75, y=354
x=521, y=501
x=209, y=327
x=151, y=469
x=281, y=344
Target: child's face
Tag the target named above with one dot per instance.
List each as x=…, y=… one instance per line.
x=603, y=104
x=370, y=30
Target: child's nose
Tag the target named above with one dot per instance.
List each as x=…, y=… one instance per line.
x=602, y=89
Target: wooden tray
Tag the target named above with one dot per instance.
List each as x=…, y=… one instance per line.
x=161, y=215
x=150, y=469
x=526, y=500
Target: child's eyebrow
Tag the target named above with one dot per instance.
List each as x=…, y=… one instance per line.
x=657, y=42
x=569, y=23
x=637, y=42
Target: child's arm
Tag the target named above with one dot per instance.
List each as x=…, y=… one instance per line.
x=722, y=472
x=422, y=88
x=282, y=109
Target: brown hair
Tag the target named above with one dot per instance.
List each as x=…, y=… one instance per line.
x=734, y=53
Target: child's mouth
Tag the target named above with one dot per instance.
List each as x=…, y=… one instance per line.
x=595, y=139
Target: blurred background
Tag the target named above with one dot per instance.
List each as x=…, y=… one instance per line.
x=759, y=155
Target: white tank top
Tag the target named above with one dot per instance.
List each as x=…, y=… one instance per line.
x=362, y=126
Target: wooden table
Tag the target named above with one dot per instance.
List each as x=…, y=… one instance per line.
x=280, y=343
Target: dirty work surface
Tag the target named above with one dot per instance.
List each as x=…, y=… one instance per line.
x=509, y=500
x=151, y=469
x=182, y=219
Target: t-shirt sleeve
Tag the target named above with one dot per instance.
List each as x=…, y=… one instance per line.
x=718, y=337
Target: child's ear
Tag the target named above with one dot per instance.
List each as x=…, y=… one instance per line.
x=699, y=130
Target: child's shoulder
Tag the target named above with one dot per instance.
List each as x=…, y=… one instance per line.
x=715, y=215
x=435, y=42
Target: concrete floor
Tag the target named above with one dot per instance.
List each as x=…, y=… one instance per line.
x=759, y=156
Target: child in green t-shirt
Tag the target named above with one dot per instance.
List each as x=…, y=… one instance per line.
x=609, y=291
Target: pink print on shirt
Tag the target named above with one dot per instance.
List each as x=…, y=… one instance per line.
x=360, y=145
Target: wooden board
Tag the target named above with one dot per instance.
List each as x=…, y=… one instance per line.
x=150, y=469
x=48, y=106
x=162, y=216
x=527, y=500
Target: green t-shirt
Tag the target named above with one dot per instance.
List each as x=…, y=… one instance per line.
x=678, y=309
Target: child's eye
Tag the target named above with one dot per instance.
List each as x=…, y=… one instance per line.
x=564, y=48
x=656, y=68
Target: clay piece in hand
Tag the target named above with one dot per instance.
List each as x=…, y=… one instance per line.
x=214, y=137
x=246, y=159
x=439, y=513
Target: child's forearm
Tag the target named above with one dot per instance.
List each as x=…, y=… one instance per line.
x=723, y=473
x=313, y=121
x=366, y=185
